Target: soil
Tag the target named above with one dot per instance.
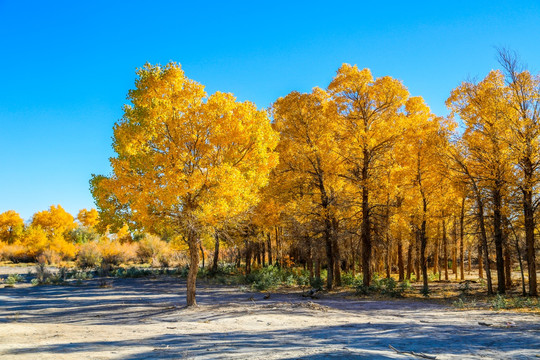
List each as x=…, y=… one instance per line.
x=146, y=318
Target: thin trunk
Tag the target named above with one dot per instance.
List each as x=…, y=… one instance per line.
x=418, y=258
x=258, y=252
x=469, y=264
x=318, y=268
x=248, y=256
x=269, y=243
x=518, y=251
x=480, y=262
x=388, y=259
x=366, y=223
x=329, y=255
x=216, y=252
x=528, y=211
x=336, y=253
x=423, y=245
x=263, y=252
x=202, y=253
x=409, y=260
x=400, y=259
x=436, y=253
x=445, y=250
x=353, y=258
x=310, y=259
x=485, y=246
x=461, y=238
x=193, y=269
x=507, y=265
x=498, y=236
x=454, y=250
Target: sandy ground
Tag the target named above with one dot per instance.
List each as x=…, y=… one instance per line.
x=146, y=319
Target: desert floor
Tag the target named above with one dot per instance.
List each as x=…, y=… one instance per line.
x=146, y=318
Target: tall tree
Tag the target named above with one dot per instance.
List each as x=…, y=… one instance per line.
x=371, y=121
x=309, y=161
x=483, y=108
x=185, y=160
x=523, y=98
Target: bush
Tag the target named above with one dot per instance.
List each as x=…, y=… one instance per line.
x=384, y=286
x=13, y=279
x=499, y=302
x=89, y=256
x=15, y=253
x=273, y=276
x=114, y=253
x=151, y=249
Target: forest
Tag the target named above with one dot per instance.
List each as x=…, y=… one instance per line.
x=347, y=184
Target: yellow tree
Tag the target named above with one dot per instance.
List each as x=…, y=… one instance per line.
x=56, y=221
x=309, y=163
x=11, y=226
x=185, y=160
x=372, y=122
x=484, y=110
x=523, y=98
x=421, y=158
x=88, y=218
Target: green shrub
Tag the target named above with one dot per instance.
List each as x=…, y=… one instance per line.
x=499, y=302
x=273, y=276
x=13, y=279
x=384, y=286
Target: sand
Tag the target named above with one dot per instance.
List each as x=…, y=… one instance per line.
x=146, y=319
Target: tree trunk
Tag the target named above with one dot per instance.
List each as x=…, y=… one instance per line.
x=248, y=256
x=263, y=252
x=418, y=259
x=388, y=264
x=469, y=264
x=202, y=253
x=216, y=252
x=498, y=236
x=318, y=268
x=507, y=265
x=528, y=211
x=454, y=251
x=480, y=262
x=366, y=223
x=401, y=271
x=409, y=260
x=310, y=259
x=269, y=243
x=485, y=246
x=445, y=250
x=258, y=252
x=336, y=253
x=329, y=256
x=193, y=269
x=423, y=245
x=436, y=252
x=461, y=238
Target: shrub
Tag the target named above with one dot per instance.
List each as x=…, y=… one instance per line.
x=114, y=253
x=384, y=286
x=499, y=302
x=15, y=253
x=273, y=276
x=13, y=279
x=153, y=250
x=89, y=256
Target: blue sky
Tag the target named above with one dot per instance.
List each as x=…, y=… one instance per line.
x=67, y=66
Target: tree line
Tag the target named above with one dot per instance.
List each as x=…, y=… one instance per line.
x=359, y=176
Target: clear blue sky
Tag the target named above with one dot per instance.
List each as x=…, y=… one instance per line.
x=67, y=66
